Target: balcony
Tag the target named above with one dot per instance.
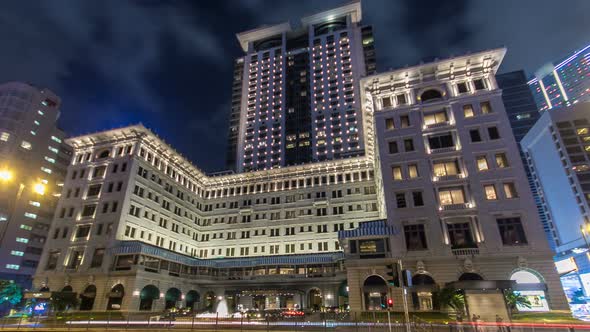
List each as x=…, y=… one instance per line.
x=455, y=207
x=445, y=150
x=437, y=125
x=320, y=201
x=465, y=251
x=451, y=177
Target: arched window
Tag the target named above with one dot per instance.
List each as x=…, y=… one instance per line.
x=430, y=95
x=147, y=296
x=470, y=276
x=103, y=154
x=525, y=277
x=422, y=279
x=375, y=291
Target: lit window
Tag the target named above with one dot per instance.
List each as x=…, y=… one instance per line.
x=490, y=191
x=12, y=266
x=30, y=215
x=510, y=190
x=468, y=111
x=4, y=136
x=22, y=240
x=33, y=133
x=26, y=227
x=17, y=253
x=396, y=172
x=56, y=139
x=33, y=203
x=413, y=171
x=501, y=160
x=451, y=196
x=486, y=107
x=582, y=131
x=46, y=170
x=52, y=149
x=37, y=123
x=482, y=163
x=26, y=145
x=51, y=160
x=40, y=112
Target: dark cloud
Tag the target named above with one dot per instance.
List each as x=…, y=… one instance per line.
x=169, y=64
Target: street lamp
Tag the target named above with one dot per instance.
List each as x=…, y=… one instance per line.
x=5, y=175
x=39, y=188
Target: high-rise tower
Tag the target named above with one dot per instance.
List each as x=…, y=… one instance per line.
x=298, y=99
x=33, y=162
x=564, y=82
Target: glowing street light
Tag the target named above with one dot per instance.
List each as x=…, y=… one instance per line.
x=39, y=188
x=5, y=175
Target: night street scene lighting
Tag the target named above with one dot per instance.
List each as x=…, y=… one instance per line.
x=375, y=166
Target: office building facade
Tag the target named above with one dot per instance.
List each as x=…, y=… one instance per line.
x=564, y=82
x=456, y=194
x=299, y=91
x=33, y=161
x=522, y=113
x=556, y=149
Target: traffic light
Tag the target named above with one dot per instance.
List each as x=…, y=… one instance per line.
x=389, y=302
x=393, y=278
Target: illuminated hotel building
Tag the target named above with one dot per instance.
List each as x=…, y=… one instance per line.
x=454, y=189
x=136, y=220
x=564, y=83
x=442, y=188
x=33, y=161
x=295, y=92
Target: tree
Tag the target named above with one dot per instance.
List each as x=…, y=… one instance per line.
x=452, y=298
x=62, y=301
x=10, y=292
x=515, y=300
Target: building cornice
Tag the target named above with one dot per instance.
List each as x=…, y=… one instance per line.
x=487, y=61
x=353, y=9
x=261, y=33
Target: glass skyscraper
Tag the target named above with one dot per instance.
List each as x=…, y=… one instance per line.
x=564, y=83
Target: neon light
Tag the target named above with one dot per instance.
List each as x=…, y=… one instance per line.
x=566, y=61
x=559, y=85
x=545, y=94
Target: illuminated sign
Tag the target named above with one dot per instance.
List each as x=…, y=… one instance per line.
x=566, y=265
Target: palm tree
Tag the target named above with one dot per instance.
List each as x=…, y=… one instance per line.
x=452, y=298
x=515, y=300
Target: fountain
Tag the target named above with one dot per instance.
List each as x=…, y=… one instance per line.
x=221, y=310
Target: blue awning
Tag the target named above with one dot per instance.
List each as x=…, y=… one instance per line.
x=370, y=228
x=137, y=247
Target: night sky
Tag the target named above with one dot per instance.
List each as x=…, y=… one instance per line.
x=169, y=64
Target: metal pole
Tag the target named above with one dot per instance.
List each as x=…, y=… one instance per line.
x=108, y=319
x=193, y=323
x=19, y=322
x=404, y=297
x=216, y=320
x=389, y=319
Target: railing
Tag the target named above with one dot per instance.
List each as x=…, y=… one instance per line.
x=438, y=125
x=450, y=177
x=453, y=207
x=444, y=150
x=465, y=251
